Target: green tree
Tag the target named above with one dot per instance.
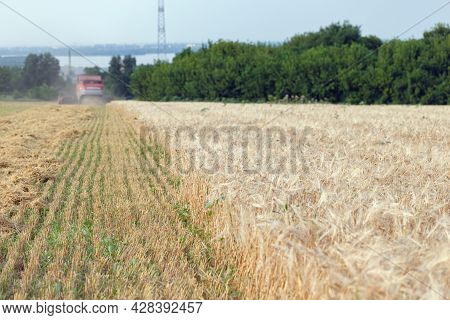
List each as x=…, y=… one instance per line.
x=129, y=66
x=5, y=80
x=114, y=79
x=336, y=34
x=119, y=77
x=40, y=69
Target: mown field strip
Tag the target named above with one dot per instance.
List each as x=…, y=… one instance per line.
x=113, y=226
x=22, y=245
x=156, y=218
x=163, y=189
x=37, y=255
x=68, y=222
x=26, y=218
x=8, y=108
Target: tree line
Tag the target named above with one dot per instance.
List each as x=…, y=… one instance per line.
x=38, y=79
x=336, y=64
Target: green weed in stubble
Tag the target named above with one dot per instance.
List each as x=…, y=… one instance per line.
x=88, y=223
x=55, y=235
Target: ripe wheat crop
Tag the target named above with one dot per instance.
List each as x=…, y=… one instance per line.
x=360, y=212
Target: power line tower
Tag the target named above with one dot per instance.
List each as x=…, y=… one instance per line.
x=162, y=44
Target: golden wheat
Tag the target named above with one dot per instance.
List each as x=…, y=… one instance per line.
x=364, y=215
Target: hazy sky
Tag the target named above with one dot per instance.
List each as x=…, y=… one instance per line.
x=135, y=21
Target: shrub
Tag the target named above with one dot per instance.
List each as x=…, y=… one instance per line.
x=43, y=92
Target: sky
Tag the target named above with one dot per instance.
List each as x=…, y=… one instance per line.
x=87, y=22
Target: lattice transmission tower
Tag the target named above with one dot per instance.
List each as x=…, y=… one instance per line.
x=162, y=42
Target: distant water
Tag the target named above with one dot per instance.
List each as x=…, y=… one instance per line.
x=103, y=61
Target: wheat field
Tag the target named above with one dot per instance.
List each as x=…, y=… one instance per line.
x=210, y=201
x=365, y=214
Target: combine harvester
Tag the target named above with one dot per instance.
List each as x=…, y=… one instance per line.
x=88, y=90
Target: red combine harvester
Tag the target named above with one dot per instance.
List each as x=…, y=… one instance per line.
x=89, y=87
x=88, y=90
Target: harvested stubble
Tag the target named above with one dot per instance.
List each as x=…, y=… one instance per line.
x=27, y=153
x=365, y=216
x=10, y=107
x=111, y=224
